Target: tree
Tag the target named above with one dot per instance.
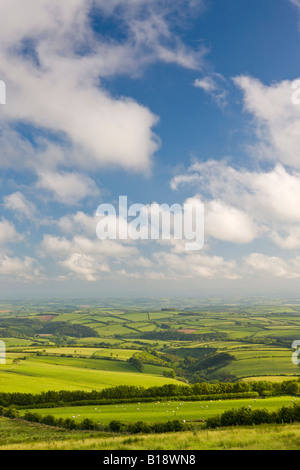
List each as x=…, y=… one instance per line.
x=293, y=388
x=137, y=363
x=87, y=424
x=169, y=373
x=115, y=425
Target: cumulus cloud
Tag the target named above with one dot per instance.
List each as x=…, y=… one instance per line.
x=276, y=119
x=242, y=205
x=18, y=269
x=67, y=188
x=107, y=131
x=55, y=63
x=227, y=223
x=78, y=223
x=8, y=232
x=17, y=203
x=288, y=238
x=52, y=61
x=83, y=257
x=174, y=266
x=273, y=266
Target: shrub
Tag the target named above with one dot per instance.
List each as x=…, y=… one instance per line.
x=49, y=420
x=11, y=412
x=213, y=422
x=245, y=416
x=68, y=423
x=228, y=418
x=115, y=425
x=87, y=424
x=286, y=414
x=34, y=417
x=139, y=427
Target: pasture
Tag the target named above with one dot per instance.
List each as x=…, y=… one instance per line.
x=37, y=374
x=161, y=411
x=258, y=339
x=92, y=347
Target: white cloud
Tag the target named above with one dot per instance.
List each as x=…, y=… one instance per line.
x=227, y=223
x=215, y=86
x=151, y=27
x=271, y=195
x=86, y=258
x=206, y=83
x=67, y=188
x=273, y=266
x=8, y=233
x=60, y=91
x=15, y=269
x=59, y=88
x=106, y=131
x=78, y=223
x=289, y=238
x=17, y=203
x=243, y=205
x=84, y=266
x=193, y=266
x=276, y=119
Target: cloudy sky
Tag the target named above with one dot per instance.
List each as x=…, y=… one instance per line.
x=165, y=102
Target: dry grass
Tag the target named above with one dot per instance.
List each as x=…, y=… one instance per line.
x=264, y=437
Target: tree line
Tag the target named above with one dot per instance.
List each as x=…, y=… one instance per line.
x=245, y=416
x=175, y=335
x=132, y=392
x=88, y=424
x=26, y=327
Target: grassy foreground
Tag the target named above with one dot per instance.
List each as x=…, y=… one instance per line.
x=19, y=435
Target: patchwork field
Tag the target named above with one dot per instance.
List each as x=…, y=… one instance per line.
x=258, y=338
x=89, y=347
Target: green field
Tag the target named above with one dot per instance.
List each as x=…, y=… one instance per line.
x=120, y=354
x=258, y=338
x=92, y=346
x=161, y=411
x=37, y=374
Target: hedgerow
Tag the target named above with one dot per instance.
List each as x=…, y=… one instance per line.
x=246, y=416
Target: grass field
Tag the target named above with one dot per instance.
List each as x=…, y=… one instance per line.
x=37, y=374
x=20, y=435
x=89, y=348
x=160, y=411
x=121, y=354
x=261, y=362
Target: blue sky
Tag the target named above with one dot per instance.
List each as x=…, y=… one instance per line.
x=166, y=102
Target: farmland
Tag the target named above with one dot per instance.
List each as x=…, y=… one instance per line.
x=160, y=411
x=255, y=339
x=36, y=374
x=92, y=346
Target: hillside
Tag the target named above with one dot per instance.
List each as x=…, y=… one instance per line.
x=114, y=369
